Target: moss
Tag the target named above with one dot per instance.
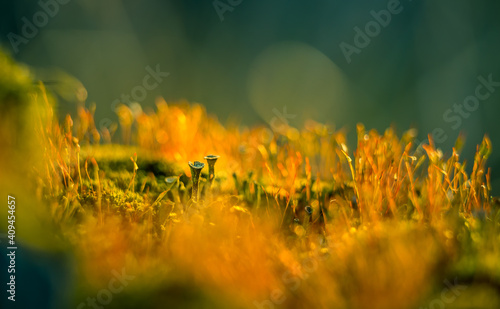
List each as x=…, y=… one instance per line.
x=299, y=213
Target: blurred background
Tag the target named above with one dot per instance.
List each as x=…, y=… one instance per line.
x=403, y=63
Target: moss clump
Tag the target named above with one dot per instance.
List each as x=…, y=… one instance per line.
x=295, y=220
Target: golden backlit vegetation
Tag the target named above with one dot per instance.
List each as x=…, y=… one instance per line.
x=290, y=219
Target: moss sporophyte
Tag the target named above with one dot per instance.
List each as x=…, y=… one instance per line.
x=196, y=168
x=386, y=208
